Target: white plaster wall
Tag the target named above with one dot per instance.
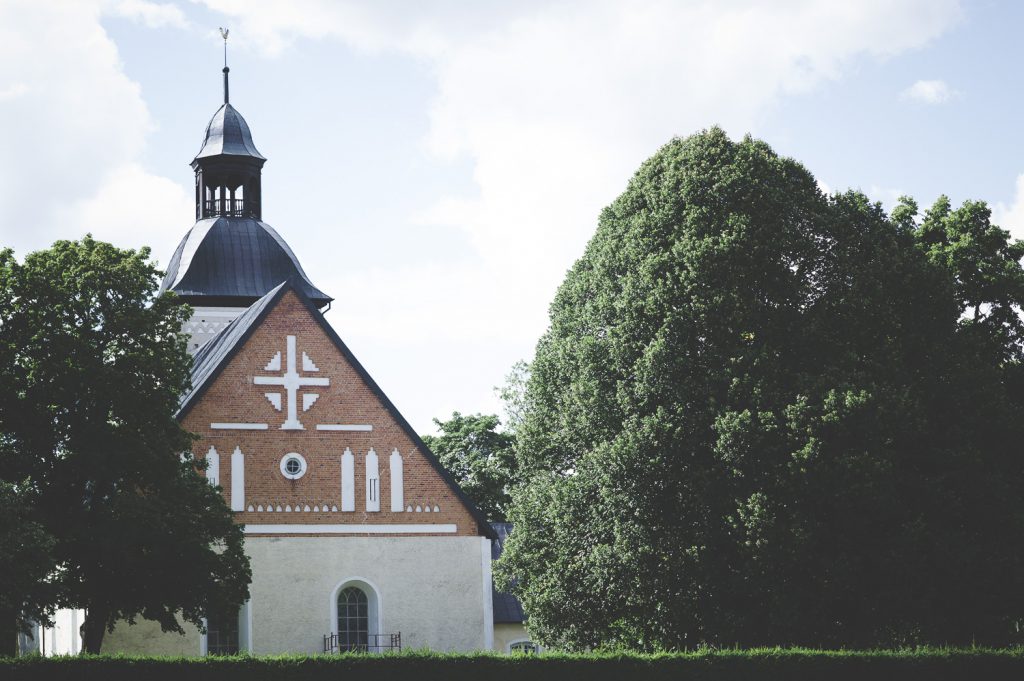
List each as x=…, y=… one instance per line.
x=146, y=638
x=430, y=589
x=64, y=637
x=207, y=322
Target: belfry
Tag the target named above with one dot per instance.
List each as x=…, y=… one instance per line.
x=230, y=258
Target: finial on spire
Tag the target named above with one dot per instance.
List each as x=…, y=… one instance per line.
x=224, y=34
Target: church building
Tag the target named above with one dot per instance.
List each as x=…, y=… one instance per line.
x=358, y=537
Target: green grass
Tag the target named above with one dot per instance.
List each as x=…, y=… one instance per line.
x=791, y=664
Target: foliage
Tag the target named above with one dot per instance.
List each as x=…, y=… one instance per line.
x=710, y=665
x=757, y=418
x=513, y=395
x=984, y=263
x=92, y=365
x=26, y=563
x=479, y=457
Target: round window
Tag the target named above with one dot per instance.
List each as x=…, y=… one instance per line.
x=293, y=466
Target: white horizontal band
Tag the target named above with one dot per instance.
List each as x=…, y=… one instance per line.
x=348, y=529
x=334, y=426
x=239, y=426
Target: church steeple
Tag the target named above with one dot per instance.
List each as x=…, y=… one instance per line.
x=230, y=258
x=228, y=167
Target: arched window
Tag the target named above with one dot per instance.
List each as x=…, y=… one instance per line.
x=353, y=619
x=356, y=621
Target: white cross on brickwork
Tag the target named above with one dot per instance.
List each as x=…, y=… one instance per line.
x=292, y=381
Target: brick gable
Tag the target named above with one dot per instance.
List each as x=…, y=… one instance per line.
x=231, y=396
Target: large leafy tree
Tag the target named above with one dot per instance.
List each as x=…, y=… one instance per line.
x=757, y=418
x=93, y=366
x=479, y=456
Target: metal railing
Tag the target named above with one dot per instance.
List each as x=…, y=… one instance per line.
x=231, y=208
x=373, y=643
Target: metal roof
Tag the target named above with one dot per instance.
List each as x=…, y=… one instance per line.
x=217, y=353
x=507, y=608
x=228, y=260
x=228, y=134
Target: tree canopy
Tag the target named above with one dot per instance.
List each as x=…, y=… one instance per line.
x=479, y=457
x=762, y=415
x=92, y=366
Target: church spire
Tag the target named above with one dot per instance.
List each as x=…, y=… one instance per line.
x=228, y=164
x=224, y=34
x=230, y=258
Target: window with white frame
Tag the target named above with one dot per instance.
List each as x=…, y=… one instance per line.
x=293, y=466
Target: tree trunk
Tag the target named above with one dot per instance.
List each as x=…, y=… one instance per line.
x=93, y=629
x=8, y=634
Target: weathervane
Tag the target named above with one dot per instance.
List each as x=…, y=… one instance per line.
x=224, y=34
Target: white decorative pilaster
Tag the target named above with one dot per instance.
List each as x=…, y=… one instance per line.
x=397, y=483
x=348, y=481
x=488, y=592
x=372, y=482
x=213, y=467
x=237, y=480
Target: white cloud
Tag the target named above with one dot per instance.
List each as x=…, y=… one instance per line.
x=557, y=103
x=888, y=196
x=75, y=125
x=134, y=208
x=13, y=91
x=150, y=14
x=553, y=103
x=930, y=92
x=1011, y=217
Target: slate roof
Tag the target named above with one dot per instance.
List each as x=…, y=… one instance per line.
x=215, y=352
x=507, y=608
x=218, y=351
x=228, y=134
x=227, y=260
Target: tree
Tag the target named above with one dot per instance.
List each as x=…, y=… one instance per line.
x=479, y=457
x=755, y=419
x=93, y=366
x=26, y=566
x=984, y=264
x=513, y=395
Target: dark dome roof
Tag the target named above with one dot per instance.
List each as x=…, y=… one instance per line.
x=228, y=134
x=234, y=261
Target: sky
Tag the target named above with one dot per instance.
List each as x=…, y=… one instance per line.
x=437, y=166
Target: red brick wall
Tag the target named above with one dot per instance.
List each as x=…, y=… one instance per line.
x=233, y=397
